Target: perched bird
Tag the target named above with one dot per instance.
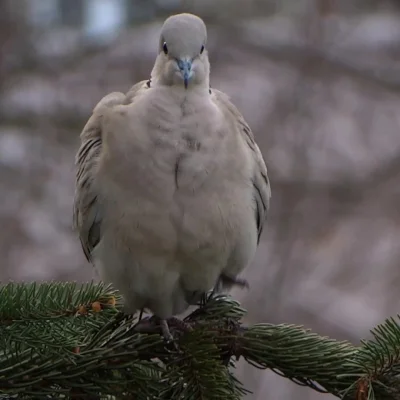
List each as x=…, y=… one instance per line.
x=171, y=189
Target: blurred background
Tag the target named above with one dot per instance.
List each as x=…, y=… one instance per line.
x=318, y=82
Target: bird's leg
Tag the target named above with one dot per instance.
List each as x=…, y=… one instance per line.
x=166, y=333
x=173, y=322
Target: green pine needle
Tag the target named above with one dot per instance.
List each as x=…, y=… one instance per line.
x=64, y=340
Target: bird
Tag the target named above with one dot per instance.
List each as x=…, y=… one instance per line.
x=171, y=189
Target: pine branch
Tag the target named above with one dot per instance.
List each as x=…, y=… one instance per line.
x=62, y=340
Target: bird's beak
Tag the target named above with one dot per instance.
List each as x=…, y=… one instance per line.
x=185, y=67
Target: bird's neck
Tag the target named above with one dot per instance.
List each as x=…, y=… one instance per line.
x=157, y=80
x=180, y=94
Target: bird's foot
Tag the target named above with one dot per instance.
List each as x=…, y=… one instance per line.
x=174, y=323
x=166, y=333
x=225, y=281
x=180, y=324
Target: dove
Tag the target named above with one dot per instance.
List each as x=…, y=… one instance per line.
x=172, y=191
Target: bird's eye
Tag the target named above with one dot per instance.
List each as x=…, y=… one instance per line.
x=165, y=48
x=202, y=49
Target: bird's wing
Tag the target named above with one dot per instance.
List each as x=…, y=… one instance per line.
x=260, y=181
x=86, y=213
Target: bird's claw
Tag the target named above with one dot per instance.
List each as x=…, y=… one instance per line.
x=179, y=324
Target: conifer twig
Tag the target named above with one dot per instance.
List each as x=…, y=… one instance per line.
x=63, y=340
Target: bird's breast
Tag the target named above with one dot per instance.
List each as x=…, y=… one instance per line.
x=183, y=139
x=176, y=176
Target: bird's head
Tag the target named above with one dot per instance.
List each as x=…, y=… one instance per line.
x=182, y=58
